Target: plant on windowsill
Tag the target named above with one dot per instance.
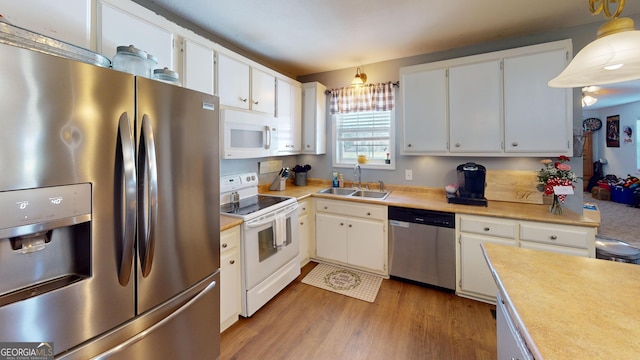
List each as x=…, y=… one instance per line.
x=556, y=178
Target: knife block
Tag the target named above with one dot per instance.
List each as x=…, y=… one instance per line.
x=278, y=184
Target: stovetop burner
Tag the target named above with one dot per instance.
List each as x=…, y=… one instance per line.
x=251, y=204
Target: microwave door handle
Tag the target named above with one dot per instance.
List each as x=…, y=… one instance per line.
x=147, y=195
x=267, y=130
x=126, y=221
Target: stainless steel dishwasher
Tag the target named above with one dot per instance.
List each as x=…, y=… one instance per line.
x=422, y=246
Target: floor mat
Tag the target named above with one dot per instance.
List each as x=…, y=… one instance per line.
x=343, y=281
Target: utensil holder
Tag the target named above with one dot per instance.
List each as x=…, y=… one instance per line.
x=301, y=179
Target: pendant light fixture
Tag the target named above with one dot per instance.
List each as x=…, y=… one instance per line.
x=613, y=57
x=359, y=79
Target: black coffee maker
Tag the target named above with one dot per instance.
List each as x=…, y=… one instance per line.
x=471, y=185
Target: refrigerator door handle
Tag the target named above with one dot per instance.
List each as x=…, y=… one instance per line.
x=143, y=334
x=126, y=220
x=147, y=195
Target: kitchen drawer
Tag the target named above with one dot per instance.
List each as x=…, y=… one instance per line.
x=488, y=226
x=230, y=239
x=352, y=209
x=304, y=206
x=556, y=249
x=571, y=236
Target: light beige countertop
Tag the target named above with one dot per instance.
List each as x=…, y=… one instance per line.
x=435, y=199
x=569, y=307
x=227, y=222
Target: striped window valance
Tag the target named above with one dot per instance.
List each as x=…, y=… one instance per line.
x=373, y=97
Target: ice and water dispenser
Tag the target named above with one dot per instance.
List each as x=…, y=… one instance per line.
x=45, y=240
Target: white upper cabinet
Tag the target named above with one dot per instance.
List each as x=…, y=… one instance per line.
x=475, y=107
x=288, y=116
x=424, y=102
x=68, y=21
x=244, y=87
x=119, y=27
x=314, y=133
x=198, y=67
x=233, y=82
x=535, y=114
x=494, y=104
x=263, y=91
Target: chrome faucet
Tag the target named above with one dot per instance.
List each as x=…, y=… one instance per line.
x=359, y=171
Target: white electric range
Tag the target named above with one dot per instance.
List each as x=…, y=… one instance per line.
x=269, y=242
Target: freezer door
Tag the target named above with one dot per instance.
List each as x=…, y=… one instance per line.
x=178, y=189
x=185, y=327
x=64, y=122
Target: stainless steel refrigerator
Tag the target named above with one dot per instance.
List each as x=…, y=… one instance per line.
x=109, y=207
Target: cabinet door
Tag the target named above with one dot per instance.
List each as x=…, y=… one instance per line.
x=263, y=92
x=537, y=118
x=314, y=140
x=366, y=244
x=116, y=28
x=303, y=234
x=475, y=107
x=331, y=237
x=198, y=67
x=230, y=283
x=288, y=116
x=475, y=275
x=233, y=82
x=424, y=101
x=68, y=21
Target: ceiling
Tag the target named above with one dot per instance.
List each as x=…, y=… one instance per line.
x=307, y=37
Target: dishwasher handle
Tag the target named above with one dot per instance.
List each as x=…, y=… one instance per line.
x=423, y=217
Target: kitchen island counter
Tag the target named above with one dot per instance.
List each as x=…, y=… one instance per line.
x=569, y=307
x=435, y=199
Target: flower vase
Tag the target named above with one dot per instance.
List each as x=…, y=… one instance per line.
x=555, y=208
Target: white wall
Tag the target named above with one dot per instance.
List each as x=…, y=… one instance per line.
x=622, y=160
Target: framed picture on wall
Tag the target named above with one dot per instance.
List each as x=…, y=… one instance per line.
x=613, y=131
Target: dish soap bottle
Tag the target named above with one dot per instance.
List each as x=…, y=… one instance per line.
x=340, y=180
x=335, y=178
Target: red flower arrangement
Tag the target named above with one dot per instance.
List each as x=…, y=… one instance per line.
x=555, y=173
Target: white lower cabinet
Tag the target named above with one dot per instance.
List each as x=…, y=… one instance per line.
x=474, y=277
x=305, y=230
x=476, y=280
x=230, y=282
x=352, y=234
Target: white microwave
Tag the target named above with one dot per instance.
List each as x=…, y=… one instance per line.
x=247, y=135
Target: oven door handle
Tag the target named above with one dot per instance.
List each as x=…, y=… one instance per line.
x=271, y=217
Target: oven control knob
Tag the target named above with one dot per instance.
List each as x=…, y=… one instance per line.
x=253, y=177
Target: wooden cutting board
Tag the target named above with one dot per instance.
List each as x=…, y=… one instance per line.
x=513, y=186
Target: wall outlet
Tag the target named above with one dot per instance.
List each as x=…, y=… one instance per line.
x=408, y=175
x=270, y=166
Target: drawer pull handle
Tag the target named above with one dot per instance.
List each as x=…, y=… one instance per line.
x=368, y=214
x=341, y=224
x=224, y=245
x=301, y=223
x=487, y=229
x=553, y=237
x=304, y=209
x=232, y=262
x=349, y=225
x=325, y=208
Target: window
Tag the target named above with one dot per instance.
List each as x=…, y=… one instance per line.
x=367, y=133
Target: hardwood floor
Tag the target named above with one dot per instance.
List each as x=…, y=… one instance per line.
x=405, y=322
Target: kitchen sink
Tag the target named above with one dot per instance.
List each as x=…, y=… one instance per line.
x=338, y=191
x=371, y=194
x=351, y=192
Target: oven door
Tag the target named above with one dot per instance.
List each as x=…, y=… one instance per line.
x=270, y=242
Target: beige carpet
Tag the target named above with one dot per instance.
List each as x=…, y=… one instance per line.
x=343, y=281
x=618, y=221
